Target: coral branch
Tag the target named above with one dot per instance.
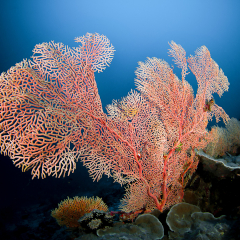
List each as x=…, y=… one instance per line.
x=51, y=115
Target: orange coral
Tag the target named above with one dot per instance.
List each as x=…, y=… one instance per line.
x=45, y=105
x=70, y=210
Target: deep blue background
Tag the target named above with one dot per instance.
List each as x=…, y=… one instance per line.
x=137, y=29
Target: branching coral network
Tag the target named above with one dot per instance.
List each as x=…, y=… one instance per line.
x=51, y=116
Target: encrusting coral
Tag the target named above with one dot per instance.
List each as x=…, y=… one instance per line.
x=95, y=220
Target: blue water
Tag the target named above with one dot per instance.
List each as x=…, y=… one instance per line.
x=137, y=29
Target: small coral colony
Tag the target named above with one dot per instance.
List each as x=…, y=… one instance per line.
x=52, y=116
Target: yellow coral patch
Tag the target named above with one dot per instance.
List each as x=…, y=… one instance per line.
x=70, y=210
